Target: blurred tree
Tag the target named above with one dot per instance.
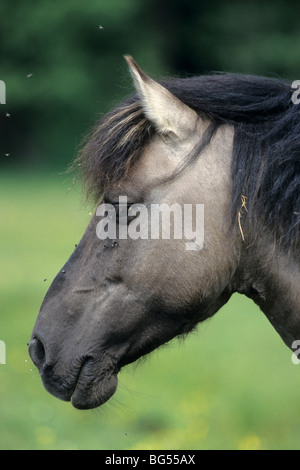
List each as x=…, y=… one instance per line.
x=62, y=60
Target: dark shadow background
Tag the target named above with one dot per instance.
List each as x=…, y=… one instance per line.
x=63, y=67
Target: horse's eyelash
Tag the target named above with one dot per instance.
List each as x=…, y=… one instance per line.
x=117, y=205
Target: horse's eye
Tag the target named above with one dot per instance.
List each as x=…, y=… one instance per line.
x=123, y=214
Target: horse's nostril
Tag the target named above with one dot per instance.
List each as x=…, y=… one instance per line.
x=37, y=352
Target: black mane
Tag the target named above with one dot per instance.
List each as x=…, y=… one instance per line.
x=266, y=153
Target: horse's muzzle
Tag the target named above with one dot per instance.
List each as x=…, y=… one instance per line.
x=87, y=383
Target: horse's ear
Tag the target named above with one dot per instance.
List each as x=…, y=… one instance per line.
x=163, y=109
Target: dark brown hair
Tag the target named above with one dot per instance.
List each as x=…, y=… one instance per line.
x=266, y=153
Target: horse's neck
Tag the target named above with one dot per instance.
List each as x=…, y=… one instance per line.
x=272, y=279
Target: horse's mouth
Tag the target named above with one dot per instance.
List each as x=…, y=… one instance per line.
x=93, y=387
x=93, y=383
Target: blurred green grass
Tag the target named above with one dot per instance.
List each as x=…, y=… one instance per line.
x=230, y=385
